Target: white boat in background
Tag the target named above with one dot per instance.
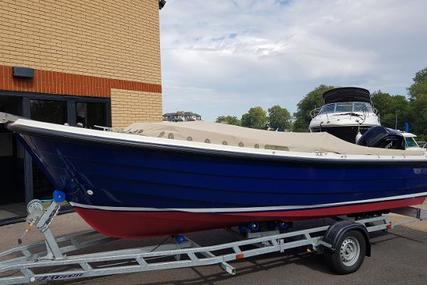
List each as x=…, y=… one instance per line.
x=347, y=111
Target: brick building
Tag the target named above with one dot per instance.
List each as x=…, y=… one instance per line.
x=79, y=62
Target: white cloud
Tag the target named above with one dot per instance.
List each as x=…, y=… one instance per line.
x=222, y=57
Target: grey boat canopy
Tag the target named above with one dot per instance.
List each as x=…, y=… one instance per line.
x=223, y=134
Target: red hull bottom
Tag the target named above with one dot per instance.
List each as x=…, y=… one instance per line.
x=133, y=225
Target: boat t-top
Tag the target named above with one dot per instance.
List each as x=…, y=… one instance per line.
x=347, y=112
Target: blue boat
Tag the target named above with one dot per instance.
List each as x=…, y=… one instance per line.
x=130, y=185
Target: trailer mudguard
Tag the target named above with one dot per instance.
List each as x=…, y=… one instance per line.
x=337, y=230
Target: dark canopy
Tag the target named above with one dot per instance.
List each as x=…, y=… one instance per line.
x=347, y=94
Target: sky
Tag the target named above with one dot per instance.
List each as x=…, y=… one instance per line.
x=222, y=57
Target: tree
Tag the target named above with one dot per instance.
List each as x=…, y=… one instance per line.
x=392, y=109
x=279, y=118
x=418, y=103
x=419, y=87
x=255, y=118
x=310, y=102
x=231, y=120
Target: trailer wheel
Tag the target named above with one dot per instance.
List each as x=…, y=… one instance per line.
x=349, y=253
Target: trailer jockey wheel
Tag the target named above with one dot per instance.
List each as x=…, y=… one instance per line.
x=349, y=253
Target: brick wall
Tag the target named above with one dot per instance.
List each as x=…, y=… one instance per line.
x=97, y=40
x=138, y=107
x=54, y=82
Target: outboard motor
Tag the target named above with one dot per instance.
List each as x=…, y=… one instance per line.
x=382, y=137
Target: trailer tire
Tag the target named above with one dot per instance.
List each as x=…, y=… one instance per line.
x=349, y=253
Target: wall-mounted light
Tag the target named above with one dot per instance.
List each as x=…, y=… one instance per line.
x=23, y=72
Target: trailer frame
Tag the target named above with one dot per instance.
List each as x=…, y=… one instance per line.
x=55, y=258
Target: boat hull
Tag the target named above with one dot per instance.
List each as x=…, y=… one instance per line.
x=131, y=225
x=127, y=189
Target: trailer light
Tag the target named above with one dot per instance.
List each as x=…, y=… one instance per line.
x=240, y=256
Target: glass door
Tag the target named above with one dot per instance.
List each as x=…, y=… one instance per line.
x=11, y=165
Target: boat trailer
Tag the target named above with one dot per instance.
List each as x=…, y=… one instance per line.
x=345, y=242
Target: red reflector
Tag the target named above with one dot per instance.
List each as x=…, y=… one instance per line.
x=240, y=256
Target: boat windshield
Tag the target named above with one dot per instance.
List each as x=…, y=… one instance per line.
x=410, y=142
x=346, y=107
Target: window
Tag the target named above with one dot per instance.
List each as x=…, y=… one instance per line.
x=49, y=111
x=89, y=115
x=344, y=107
x=330, y=108
x=362, y=107
x=11, y=105
x=410, y=142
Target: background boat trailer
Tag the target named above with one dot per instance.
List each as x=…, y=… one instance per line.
x=345, y=242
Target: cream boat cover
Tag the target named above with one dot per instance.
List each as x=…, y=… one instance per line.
x=201, y=131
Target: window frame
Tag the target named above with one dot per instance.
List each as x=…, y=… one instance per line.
x=69, y=99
